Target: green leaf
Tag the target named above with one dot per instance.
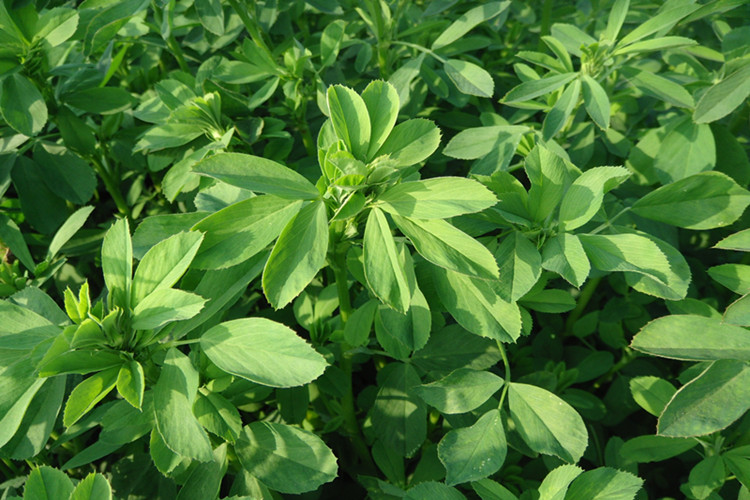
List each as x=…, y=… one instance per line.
x=555, y=484
x=175, y=392
x=469, y=78
x=398, y=416
x=350, y=119
x=241, y=230
x=81, y=361
x=359, y=325
x=550, y=177
x=616, y=18
x=657, y=86
x=22, y=105
x=164, y=264
x=739, y=241
x=42, y=208
x=262, y=351
x=452, y=347
x=297, y=256
x=736, y=277
x=56, y=25
x=738, y=312
x=651, y=393
x=431, y=490
x=257, y=174
x=117, y=263
x=725, y=96
x=448, y=247
x=564, y=254
x=89, y=392
x=708, y=475
x=287, y=459
x=384, y=269
x=100, y=100
x=131, y=383
x=330, y=42
x=436, y=198
x=92, y=487
x=561, y=111
x=156, y=228
x=546, y=423
x=461, y=391
x=211, y=15
x=662, y=22
x=411, y=142
x=605, y=483
x=520, y=266
x=674, y=337
x=687, y=149
x=535, y=88
x=474, y=452
x=596, y=101
x=701, y=201
x=710, y=402
x=67, y=230
x=46, y=483
x=381, y=100
x=467, y=21
x=19, y=388
x=204, y=480
x=401, y=334
x=572, y=37
x=584, y=197
x=476, y=142
x=477, y=307
x=12, y=238
x=165, y=305
x=218, y=415
x=65, y=174
x=549, y=301
x=645, y=449
x=168, y=135
x=654, y=44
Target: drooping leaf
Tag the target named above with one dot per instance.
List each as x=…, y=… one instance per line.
x=297, y=256
x=287, y=459
x=469, y=78
x=584, y=196
x=547, y=423
x=561, y=111
x=461, y=391
x=262, y=351
x=564, y=254
x=89, y=392
x=474, y=452
x=383, y=267
x=520, y=266
x=411, y=142
x=22, y=105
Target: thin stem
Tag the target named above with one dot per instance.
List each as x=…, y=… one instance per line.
x=504, y=355
x=251, y=27
x=610, y=221
x=581, y=303
x=420, y=48
x=111, y=186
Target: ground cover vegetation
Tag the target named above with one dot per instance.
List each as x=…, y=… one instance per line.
x=382, y=249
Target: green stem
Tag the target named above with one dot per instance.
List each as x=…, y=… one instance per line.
x=546, y=18
x=251, y=27
x=507, y=373
x=581, y=303
x=10, y=467
x=420, y=48
x=607, y=224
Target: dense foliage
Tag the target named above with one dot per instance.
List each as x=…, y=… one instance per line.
x=381, y=249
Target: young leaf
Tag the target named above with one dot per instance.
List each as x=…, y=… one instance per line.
x=92, y=487
x=550, y=177
x=564, y=254
x=561, y=111
x=596, y=101
x=411, y=142
x=615, y=20
x=257, y=174
x=474, y=452
x=22, y=105
x=445, y=246
x=350, y=119
x=469, y=78
x=131, y=383
x=663, y=21
x=673, y=337
x=89, y=392
x=242, y=230
x=46, y=483
x=724, y=97
x=468, y=21
x=556, y=483
x=605, y=483
x=477, y=307
x=262, y=351
x=383, y=267
x=117, y=263
x=164, y=264
x=461, y=391
x=584, y=197
x=165, y=305
x=67, y=230
x=534, y=88
x=547, y=423
x=297, y=256
x=436, y=198
x=520, y=266
x=701, y=201
x=381, y=100
x=330, y=42
x=708, y=403
x=175, y=392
